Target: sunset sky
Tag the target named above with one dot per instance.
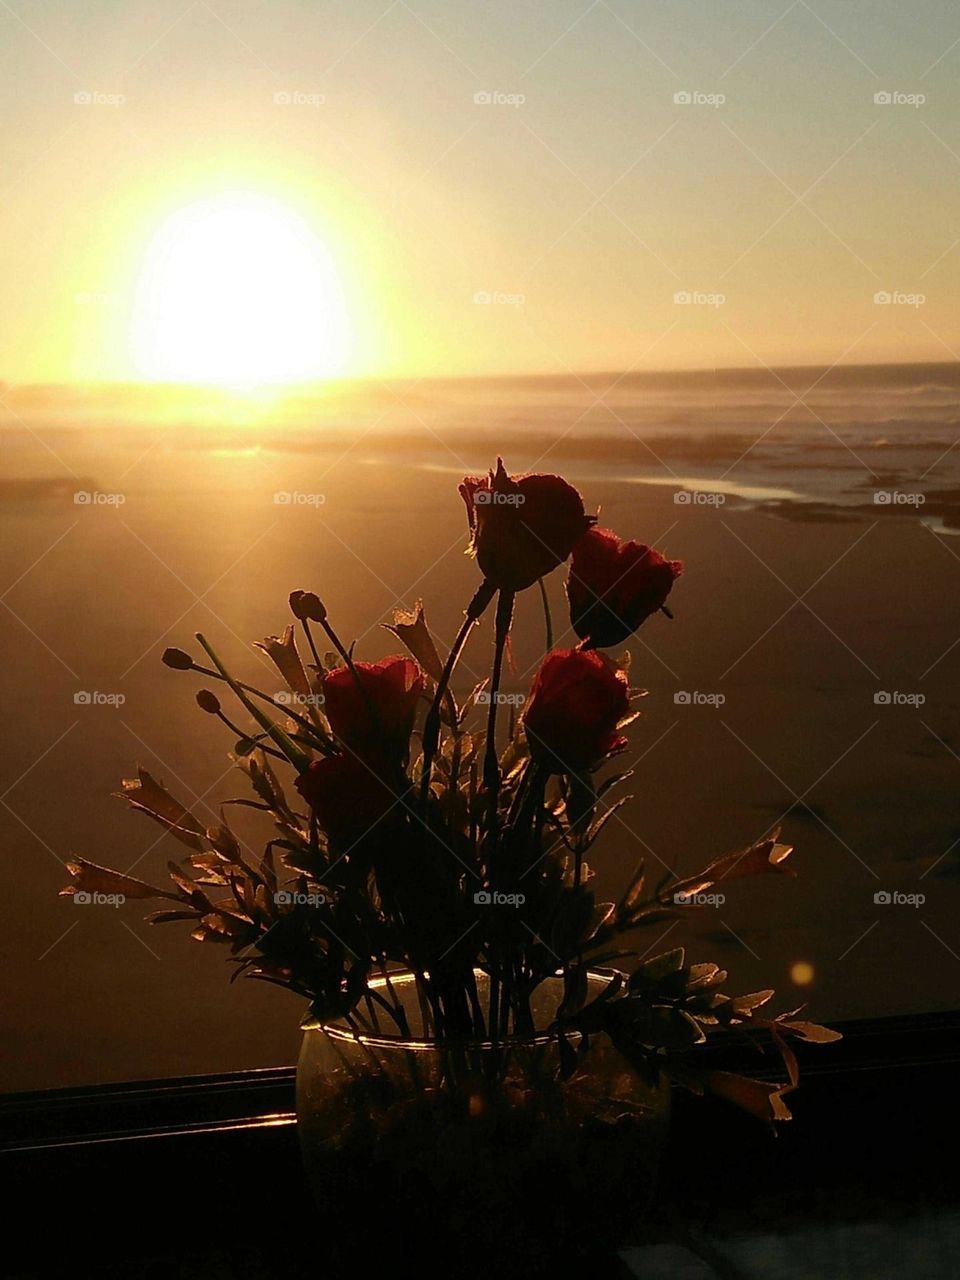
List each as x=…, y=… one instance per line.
x=239, y=191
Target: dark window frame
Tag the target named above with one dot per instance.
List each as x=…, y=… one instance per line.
x=162, y=1165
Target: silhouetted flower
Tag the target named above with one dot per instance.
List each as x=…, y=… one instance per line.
x=348, y=797
x=307, y=606
x=374, y=716
x=614, y=586
x=522, y=527
x=576, y=702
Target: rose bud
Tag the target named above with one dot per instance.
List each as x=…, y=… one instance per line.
x=349, y=799
x=307, y=606
x=521, y=527
x=209, y=702
x=376, y=715
x=614, y=586
x=576, y=702
x=178, y=659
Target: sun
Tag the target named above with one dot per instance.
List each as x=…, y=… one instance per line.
x=237, y=290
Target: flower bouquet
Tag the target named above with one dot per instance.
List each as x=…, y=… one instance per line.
x=486, y=1046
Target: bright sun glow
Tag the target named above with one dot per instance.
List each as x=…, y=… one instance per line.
x=236, y=290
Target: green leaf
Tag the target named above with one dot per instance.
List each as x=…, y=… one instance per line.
x=812, y=1032
x=660, y=966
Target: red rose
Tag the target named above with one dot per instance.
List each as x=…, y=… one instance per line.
x=377, y=717
x=575, y=705
x=614, y=586
x=349, y=799
x=521, y=527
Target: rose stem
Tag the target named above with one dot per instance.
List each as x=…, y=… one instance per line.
x=351, y=667
x=548, y=620
x=491, y=766
x=316, y=658
x=313, y=648
x=265, y=697
x=249, y=737
x=431, y=726
x=279, y=735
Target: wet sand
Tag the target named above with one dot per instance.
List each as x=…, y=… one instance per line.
x=867, y=791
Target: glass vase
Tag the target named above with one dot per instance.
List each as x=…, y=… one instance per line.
x=474, y=1151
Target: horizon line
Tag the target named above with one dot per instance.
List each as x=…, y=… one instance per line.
x=369, y=379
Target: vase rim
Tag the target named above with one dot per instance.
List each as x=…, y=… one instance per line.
x=338, y=1030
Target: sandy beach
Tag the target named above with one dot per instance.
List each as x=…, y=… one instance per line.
x=809, y=678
